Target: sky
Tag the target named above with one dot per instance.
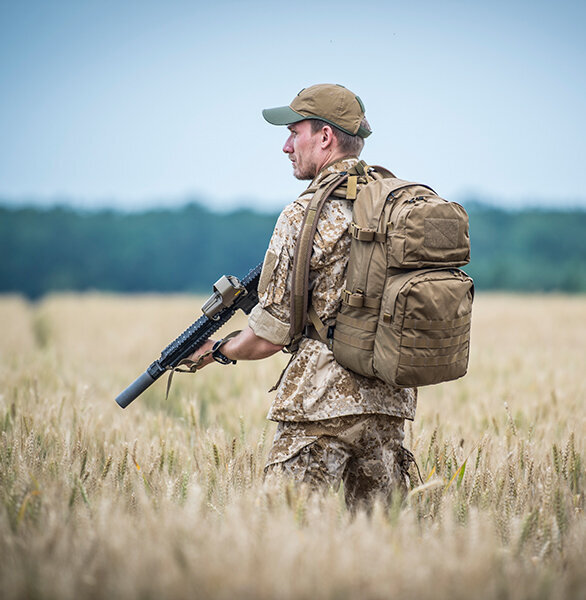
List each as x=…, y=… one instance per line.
x=143, y=103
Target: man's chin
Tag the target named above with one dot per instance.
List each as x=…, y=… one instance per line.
x=301, y=176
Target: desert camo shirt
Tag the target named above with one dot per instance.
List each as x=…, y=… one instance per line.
x=314, y=386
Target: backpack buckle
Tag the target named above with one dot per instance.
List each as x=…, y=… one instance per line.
x=361, y=234
x=355, y=299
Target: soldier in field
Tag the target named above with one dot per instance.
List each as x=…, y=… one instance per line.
x=333, y=425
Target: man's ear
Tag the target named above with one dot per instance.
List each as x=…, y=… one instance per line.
x=327, y=137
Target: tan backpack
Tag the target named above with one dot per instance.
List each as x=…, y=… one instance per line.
x=405, y=314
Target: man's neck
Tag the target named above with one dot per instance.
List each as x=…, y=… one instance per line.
x=333, y=160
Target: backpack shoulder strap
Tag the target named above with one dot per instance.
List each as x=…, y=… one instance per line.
x=302, y=257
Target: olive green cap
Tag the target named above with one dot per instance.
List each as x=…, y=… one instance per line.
x=328, y=102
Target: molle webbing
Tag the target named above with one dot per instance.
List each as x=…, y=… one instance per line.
x=437, y=361
x=354, y=342
x=450, y=342
x=358, y=323
x=428, y=325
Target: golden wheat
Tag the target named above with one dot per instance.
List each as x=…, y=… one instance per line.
x=166, y=499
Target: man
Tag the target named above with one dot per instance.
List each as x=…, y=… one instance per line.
x=333, y=425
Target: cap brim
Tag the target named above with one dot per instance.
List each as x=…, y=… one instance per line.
x=282, y=115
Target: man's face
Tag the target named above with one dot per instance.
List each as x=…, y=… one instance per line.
x=303, y=149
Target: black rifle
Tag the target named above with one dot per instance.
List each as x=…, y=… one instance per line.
x=230, y=294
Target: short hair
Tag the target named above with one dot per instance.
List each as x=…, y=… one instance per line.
x=349, y=144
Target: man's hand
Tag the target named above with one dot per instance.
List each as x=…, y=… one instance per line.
x=207, y=347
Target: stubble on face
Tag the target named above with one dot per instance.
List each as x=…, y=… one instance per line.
x=303, y=170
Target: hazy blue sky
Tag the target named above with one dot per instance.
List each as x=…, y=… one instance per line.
x=143, y=102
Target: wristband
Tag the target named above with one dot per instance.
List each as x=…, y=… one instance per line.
x=219, y=356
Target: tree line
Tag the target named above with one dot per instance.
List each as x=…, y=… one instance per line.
x=186, y=249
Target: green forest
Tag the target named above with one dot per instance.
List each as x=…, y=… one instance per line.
x=187, y=249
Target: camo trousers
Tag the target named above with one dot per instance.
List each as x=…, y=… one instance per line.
x=363, y=451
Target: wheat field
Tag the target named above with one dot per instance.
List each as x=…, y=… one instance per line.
x=166, y=498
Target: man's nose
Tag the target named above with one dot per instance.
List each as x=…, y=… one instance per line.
x=288, y=147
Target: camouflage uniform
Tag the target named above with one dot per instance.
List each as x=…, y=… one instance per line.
x=334, y=424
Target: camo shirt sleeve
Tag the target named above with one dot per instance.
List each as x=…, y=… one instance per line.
x=314, y=386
